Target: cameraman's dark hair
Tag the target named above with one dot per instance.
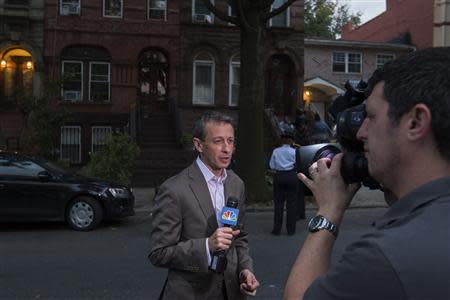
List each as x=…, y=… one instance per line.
x=209, y=117
x=419, y=77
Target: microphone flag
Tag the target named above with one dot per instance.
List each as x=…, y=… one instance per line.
x=229, y=216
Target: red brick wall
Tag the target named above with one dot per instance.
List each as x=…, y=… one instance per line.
x=123, y=38
x=400, y=17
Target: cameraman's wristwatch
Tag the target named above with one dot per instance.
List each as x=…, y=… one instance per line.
x=319, y=222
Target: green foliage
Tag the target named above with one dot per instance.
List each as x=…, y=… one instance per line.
x=63, y=163
x=325, y=18
x=42, y=121
x=115, y=161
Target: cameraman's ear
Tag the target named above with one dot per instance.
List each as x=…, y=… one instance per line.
x=419, y=122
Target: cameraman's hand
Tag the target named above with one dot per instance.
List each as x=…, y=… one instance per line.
x=332, y=194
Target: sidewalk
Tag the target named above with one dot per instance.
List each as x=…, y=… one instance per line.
x=365, y=198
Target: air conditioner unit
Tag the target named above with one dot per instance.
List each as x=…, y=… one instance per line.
x=70, y=9
x=198, y=18
x=159, y=4
x=72, y=95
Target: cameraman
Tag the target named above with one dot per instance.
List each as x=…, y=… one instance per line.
x=406, y=137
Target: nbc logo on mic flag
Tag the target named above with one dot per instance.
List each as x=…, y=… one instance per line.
x=229, y=216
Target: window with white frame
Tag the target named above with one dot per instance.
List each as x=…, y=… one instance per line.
x=85, y=69
x=200, y=13
x=157, y=9
x=347, y=62
x=283, y=18
x=203, y=80
x=71, y=143
x=98, y=136
x=113, y=8
x=235, y=80
x=69, y=7
x=384, y=58
x=99, y=75
x=72, y=81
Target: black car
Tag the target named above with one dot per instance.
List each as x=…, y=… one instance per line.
x=37, y=190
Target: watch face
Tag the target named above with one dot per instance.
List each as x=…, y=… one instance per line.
x=314, y=223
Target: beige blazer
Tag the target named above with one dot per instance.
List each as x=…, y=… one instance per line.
x=183, y=217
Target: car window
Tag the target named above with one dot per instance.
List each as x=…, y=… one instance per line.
x=19, y=167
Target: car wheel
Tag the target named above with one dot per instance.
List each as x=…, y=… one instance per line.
x=84, y=214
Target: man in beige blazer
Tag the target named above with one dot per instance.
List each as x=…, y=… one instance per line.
x=186, y=228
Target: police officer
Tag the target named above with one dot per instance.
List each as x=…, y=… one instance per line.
x=285, y=183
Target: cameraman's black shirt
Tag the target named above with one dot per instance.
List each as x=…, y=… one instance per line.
x=407, y=256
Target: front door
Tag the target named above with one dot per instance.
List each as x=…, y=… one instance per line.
x=281, y=86
x=153, y=81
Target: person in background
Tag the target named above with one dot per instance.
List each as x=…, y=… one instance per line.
x=186, y=227
x=285, y=182
x=406, y=136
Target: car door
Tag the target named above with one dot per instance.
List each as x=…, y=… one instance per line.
x=26, y=196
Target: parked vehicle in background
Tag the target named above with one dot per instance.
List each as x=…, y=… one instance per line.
x=33, y=189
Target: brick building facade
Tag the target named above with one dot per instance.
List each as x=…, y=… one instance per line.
x=137, y=65
x=330, y=63
x=404, y=21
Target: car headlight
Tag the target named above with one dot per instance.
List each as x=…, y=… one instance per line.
x=118, y=192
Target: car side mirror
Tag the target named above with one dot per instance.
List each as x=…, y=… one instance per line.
x=44, y=176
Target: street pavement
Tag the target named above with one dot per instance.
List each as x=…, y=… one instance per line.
x=364, y=198
x=50, y=261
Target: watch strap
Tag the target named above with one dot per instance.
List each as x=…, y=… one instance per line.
x=325, y=224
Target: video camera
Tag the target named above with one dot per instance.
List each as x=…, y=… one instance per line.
x=348, y=112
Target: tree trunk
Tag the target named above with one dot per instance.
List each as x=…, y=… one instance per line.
x=250, y=151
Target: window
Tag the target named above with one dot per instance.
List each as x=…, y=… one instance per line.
x=384, y=58
x=203, y=91
x=345, y=62
x=99, y=134
x=69, y=7
x=153, y=74
x=16, y=2
x=19, y=167
x=112, y=8
x=72, y=80
x=235, y=79
x=157, y=9
x=282, y=19
x=200, y=13
x=99, y=81
x=71, y=143
x=86, y=69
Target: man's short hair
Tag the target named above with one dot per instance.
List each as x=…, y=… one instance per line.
x=199, y=130
x=419, y=77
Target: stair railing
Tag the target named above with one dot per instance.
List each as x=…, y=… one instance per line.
x=176, y=119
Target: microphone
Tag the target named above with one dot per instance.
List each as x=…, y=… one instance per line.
x=229, y=218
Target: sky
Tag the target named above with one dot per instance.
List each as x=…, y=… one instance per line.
x=368, y=8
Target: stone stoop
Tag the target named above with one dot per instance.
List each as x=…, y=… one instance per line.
x=160, y=156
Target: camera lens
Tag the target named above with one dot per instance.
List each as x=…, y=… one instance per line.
x=327, y=153
x=307, y=155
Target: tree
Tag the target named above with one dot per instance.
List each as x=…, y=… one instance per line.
x=251, y=18
x=42, y=121
x=325, y=18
